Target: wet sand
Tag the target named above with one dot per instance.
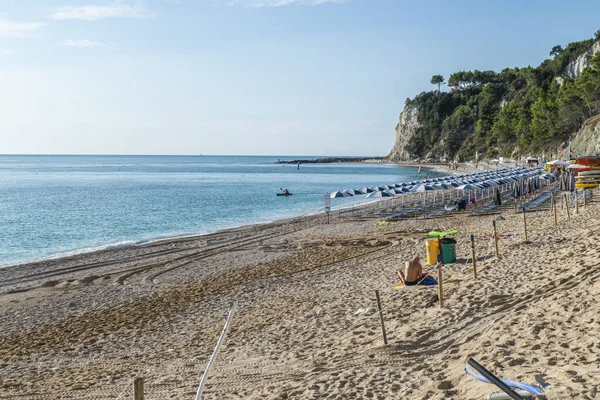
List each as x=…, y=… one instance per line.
x=82, y=327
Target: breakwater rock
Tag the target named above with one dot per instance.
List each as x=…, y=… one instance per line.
x=328, y=160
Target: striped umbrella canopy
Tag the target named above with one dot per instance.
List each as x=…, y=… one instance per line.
x=422, y=188
x=364, y=190
x=468, y=186
x=395, y=192
x=338, y=194
x=379, y=194
x=351, y=192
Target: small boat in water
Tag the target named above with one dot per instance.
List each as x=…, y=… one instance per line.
x=285, y=194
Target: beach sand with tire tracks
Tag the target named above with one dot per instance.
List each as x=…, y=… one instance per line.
x=82, y=327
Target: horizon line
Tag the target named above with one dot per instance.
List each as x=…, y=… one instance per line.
x=180, y=155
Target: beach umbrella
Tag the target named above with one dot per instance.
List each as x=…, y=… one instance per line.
x=577, y=166
x=338, y=194
x=406, y=189
x=422, y=188
x=364, y=190
x=440, y=186
x=351, y=192
x=395, y=192
x=379, y=194
x=559, y=162
x=468, y=187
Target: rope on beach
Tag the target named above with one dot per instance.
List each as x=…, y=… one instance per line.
x=125, y=389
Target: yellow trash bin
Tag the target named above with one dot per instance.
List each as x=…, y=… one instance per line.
x=433, y=248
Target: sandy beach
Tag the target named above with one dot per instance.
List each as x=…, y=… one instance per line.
x=83, y=327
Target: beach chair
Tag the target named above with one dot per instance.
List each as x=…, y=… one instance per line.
x=510, y=389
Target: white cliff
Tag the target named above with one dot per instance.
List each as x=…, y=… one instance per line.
x=587, y=140
x=574, y=69
x=406, y=128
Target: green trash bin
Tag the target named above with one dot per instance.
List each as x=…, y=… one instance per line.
x=448, y=250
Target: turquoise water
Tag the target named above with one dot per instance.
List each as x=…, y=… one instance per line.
x=56, y=205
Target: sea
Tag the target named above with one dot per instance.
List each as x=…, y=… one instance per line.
x=59, y=205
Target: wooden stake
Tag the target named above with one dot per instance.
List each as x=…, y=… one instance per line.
x=473, y=257
x=385, y=341
x=567, y=205
x=440, y=285
x=495, y=238
x=584, y=199
x=552, y=203
x=525, y=224
x=554, y=208
x=138, y=389
x=576, y=202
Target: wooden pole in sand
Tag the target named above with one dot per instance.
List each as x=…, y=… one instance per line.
x=554, y=208
x=552, y=203
x=525, y=224
x=385, y=341
x=576, y=202
x=567, y=205
x=138, y=389
x=473, y=257
x=440, y=284
x=495, y=238
x=584, y=199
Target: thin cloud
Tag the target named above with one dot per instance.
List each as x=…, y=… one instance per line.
x=96, y=13
x=279, y=3
x=81, y=43
x=19, y=29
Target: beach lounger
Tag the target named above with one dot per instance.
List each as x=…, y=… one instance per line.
x=509, y=388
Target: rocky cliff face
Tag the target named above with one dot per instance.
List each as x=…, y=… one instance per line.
x=587, y=140
x=407, y=125
x=575, y=68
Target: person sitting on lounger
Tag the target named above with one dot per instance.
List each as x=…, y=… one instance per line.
x=413, y=272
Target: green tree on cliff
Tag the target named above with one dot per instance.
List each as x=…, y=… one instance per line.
x=437, y=80
x=556, y=50
x=515, y=111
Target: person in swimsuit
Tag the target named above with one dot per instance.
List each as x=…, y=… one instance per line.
x=413, y=272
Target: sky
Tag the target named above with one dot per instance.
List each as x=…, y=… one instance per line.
x=249, y=77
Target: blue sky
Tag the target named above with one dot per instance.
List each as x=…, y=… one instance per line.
x=279, y=77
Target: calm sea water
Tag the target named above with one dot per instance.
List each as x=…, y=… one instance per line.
x=58, y=205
